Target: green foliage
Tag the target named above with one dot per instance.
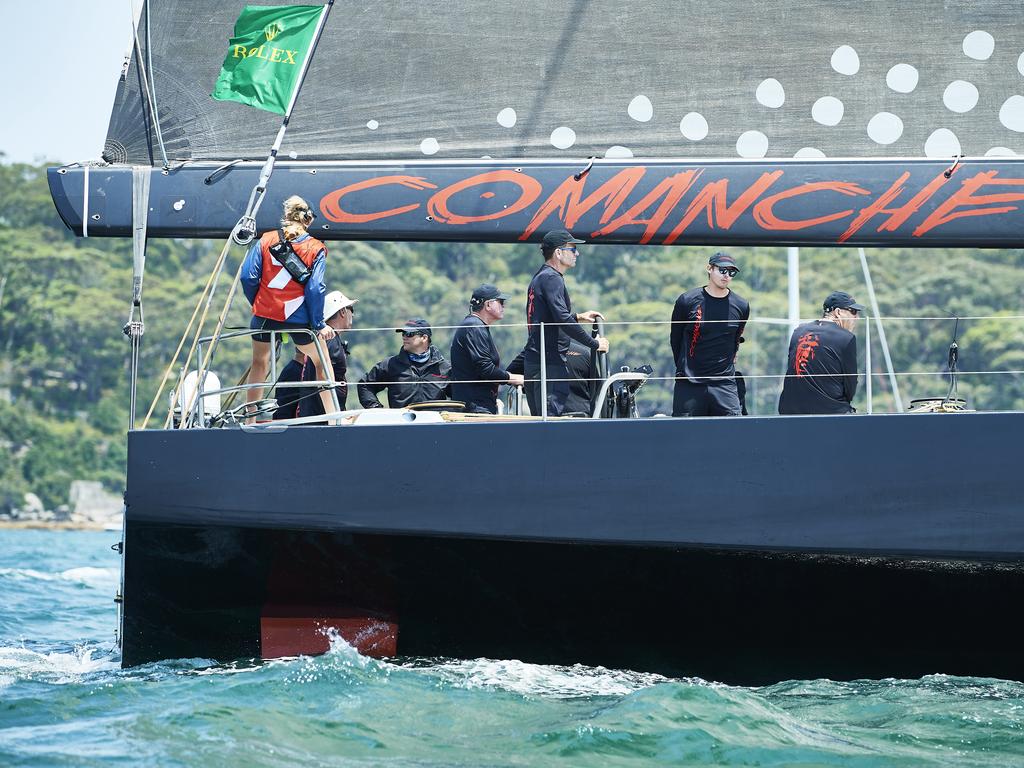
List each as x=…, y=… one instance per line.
x=64, y=358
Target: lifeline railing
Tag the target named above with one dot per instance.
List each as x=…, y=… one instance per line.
x=750, y=354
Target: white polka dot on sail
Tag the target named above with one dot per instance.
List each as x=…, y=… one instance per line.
x=1020, y=64
x=770, y=93
x=373, y=125
x=693, y=126
x=885, y=128
x=902, y=78
x=507, y=117
x=809, y=152
x=960, y=96
x=429, y=146
x=1011, y=114
x=845, y=60
x=752, y=144
x=942, y=143
x=828, y=110
x=563, y=137
x=640, y=109
x=618, y=152
x=979, y=45
x=1000, y=152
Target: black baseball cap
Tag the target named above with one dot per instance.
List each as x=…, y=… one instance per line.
x=415, y=325
x=841, y=300
x=486, y=292
x=556, y=238
x=723, y=259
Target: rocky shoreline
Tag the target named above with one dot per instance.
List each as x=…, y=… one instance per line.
x=91, y=508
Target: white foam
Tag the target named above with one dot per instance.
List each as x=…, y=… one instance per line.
x=22, y=663
x=89, y=575
x=544, y=680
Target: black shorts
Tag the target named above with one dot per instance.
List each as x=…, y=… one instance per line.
x=718, y=399
x=300, y=334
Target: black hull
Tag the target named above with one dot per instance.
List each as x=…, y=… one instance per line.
x=732, y=549
x=744, y=618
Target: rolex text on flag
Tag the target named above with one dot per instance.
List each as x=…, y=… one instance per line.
x=265, y=55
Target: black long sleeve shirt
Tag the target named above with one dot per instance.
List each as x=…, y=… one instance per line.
x=410, y=382
x=706, y=333
x=822, y=370
x=475, y=364
x=547, y=301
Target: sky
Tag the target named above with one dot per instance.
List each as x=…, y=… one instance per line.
x=59, y=94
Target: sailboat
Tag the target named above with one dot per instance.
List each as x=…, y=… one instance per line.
x=736, y=549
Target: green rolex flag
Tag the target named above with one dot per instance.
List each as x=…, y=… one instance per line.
x=265, y=56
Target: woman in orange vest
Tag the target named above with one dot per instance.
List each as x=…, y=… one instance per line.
x=287, y=299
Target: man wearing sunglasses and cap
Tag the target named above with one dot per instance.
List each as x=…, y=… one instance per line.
x=821, y=376
x=417, y=374
x=547, y=301
x=707, y=328
x=476, y=365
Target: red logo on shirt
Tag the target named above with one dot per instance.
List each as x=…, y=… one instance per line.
x=805, y=347
x=698, y=316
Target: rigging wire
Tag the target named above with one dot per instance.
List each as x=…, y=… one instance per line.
x=188, y=328
x=147, y=79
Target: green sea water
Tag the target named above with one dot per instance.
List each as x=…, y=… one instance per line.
x=65, y=701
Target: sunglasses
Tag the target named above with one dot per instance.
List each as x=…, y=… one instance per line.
x=570, y=248
x=410, y=334
x=728, y=271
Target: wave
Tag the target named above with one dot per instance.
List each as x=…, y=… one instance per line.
x=20, y=663
x=89, y=576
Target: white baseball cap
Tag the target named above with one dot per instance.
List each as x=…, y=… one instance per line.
x=334, y=302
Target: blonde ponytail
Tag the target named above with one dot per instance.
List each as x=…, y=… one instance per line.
x=297, y=217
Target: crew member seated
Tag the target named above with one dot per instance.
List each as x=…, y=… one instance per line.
x=821, y=375
x=417, y=374
x=476, y=365
x=339, y=314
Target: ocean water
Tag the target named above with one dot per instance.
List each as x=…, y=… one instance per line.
x=65, y=701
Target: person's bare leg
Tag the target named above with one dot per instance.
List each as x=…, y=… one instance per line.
x=322, y=374
x=258, y=371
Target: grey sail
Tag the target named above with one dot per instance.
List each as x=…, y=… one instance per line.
x=666, y=78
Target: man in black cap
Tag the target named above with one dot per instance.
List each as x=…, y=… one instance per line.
x=707, y=328
x=417, y=374
x=547, y=301
x=476, y=365
x=821, y=376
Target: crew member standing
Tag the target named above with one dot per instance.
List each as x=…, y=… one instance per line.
x=547, y=301
x=476, y=365
x=707, y=328
x=821, y=376
x=280, y=302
